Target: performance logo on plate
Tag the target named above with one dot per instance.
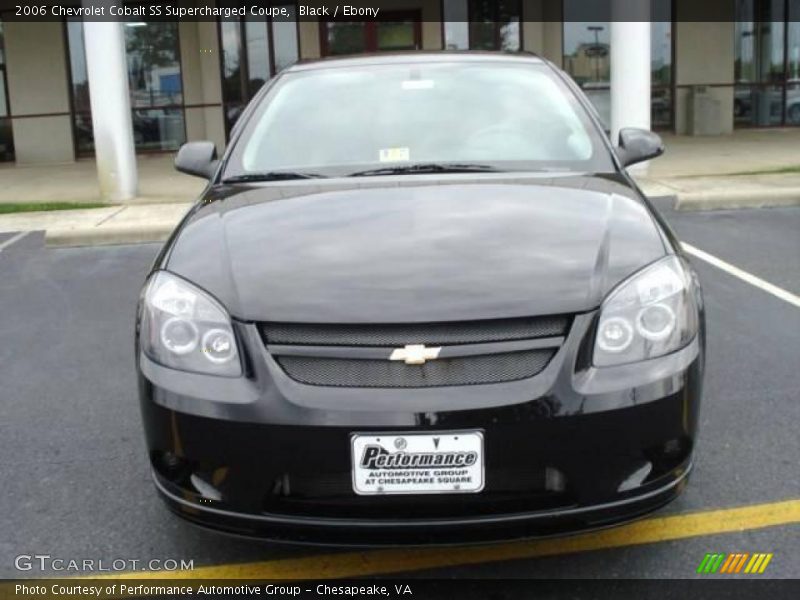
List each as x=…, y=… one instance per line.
x=410, y=463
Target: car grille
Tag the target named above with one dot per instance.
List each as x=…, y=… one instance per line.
x=304, y=352
x=468, y=370
x=394, y=335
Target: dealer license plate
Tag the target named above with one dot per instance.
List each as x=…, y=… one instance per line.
x=418, y=463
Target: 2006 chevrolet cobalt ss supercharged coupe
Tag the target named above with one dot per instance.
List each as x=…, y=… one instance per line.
x=420, y=300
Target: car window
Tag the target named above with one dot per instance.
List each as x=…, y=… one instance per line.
x=338, y=120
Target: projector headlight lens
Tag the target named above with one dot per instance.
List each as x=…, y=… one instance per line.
x=655, y=322
x=219, y=346
x=650, y=314
x=179, y=335
x=615, y=335
x=184, y=328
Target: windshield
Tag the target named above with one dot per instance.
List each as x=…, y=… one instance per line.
x=400, y=117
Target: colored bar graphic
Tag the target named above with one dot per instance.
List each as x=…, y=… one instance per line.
x=701, y=568
x=717, y=563
x=741, y=562
x=710, y=563
x=737, y=562
x=764, y=564
x=757, y=558
x=727, y=565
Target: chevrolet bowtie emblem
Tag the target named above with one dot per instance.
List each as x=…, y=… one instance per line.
x=415, y=354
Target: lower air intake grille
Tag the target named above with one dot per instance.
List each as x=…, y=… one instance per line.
x=468, y=370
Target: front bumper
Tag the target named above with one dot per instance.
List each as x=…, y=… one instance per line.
x=568, y=450
x=381, y=532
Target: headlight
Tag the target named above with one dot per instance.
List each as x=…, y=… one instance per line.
x=184, y=328
x=651, y=314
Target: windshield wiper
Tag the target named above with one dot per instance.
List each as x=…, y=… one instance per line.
x=428, y=168
x=272, y=176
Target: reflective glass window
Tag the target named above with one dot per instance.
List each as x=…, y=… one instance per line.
x=155, y=84
x=587, y=57
x=253, y=50
x=6, y=134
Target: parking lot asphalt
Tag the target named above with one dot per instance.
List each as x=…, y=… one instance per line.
x=75, y=475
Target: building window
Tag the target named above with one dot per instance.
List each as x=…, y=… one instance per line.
x=482, y=25
x=154, y=81
x=456, y=24
x=766, y=63
x=253, y=50
x=79, y=88
x=284, y=31
x=156, y=85
x=6, y=135
x=234, y=71
x=661, y=68
x=793, y=64
x=587, y=58
x=495, y=25
x=397, y=30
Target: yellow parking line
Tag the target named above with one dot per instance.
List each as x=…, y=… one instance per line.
x=373, y=562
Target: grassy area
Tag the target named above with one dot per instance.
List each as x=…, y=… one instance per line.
x=793, y=169
x=777, y=171
x=16, y=207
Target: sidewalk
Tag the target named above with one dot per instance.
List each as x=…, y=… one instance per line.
x=747, y=169
x=751, y=168
x=159, y=182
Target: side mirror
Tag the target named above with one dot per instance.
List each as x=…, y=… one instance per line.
x=197, y=158
x=636, y=145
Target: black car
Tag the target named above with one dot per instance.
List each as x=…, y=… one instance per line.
x=420, y=301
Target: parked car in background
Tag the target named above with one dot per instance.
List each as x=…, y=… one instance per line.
x=745, y=98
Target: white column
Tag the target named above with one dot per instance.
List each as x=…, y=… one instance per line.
x=111, y=108
x=630, y=65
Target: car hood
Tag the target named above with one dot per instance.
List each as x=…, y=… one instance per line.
x=422, y=252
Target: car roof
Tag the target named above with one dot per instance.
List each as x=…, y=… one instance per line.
x=414, y=57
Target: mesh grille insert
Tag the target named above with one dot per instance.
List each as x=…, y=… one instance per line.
x=438, y=334
x=468, y=370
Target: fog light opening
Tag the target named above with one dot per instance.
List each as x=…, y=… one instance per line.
x=171, y=461
x=673, y=448
x=636, y=478
x=205, y=489
x=554, y=480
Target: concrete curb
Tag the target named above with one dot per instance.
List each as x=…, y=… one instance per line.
x=742, y=198
x=108, y=235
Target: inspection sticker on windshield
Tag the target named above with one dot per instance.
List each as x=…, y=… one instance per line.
x=416, y=463
x=394, y=154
